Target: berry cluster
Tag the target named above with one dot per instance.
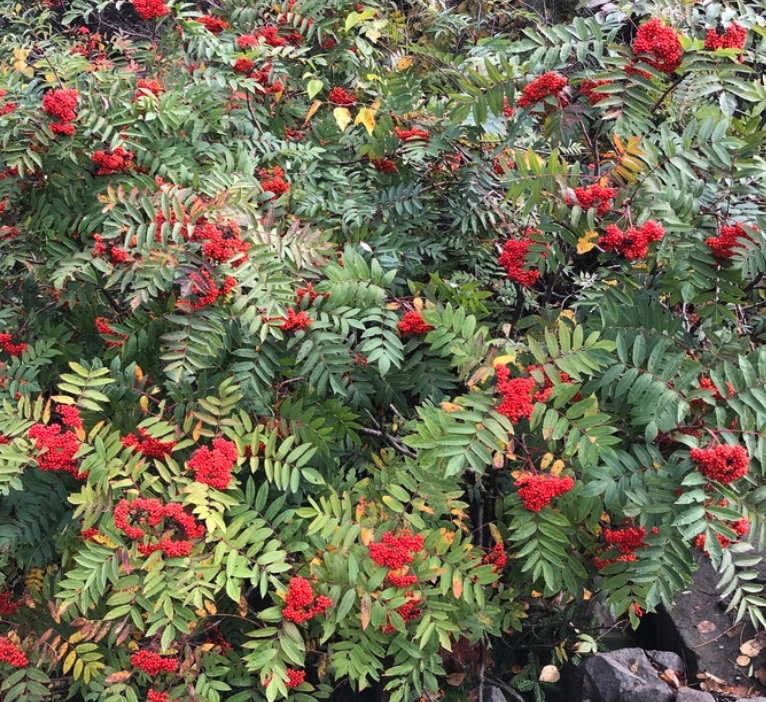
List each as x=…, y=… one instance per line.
x=115, y=161
x=514, y=259
x=8, y=107
x=214, y=467
x=413, y=134
x=153, y=663
x=89, y=47
x=58, y=449
x=300, y=602
x=413, y=324
x=408, y=611
x=627, y=539
x=724, y=463
x=723, y=245
x=269, y=34
x=660, y=43
x=146, y=86
x=707, y=384
x=396, y=553
x=214, y=25
x=541, y=87
x=148, y=445
x=264, y=85
x=496, y=557
x=508, y=111
x=295, y=320
x=102, y=327
x=587, y=86
x=9, y=347
x=150, y=9
x=384, y=165
x=244, y=66
x=536, y=491
x=61, y=104
x=338, y=96
x=150, y=513
x=597, y=196
x=206, y=290
x=732, y=38
x=309, y=292
x=634, y=243
x=7, y=605
x=70, y=416
x=274, y=181
x=518, y=394
x=222, y=241
x=156, y=696
x=295, y=678
x=115, y=253
x=11, y=653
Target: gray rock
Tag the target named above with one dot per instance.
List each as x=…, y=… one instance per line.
x=666, y=659
x=623, y=676
x=686, y=694
x=752, y=699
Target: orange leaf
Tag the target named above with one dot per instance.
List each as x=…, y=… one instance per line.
x=314, y=107
x=457, y=585
x=120, y=676
x=365, y=611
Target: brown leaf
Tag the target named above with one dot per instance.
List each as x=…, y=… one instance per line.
x=760, y=675
x=119, y=677
x=456, y=679
x=705, y=627
x=751, y=648
x=743, y=661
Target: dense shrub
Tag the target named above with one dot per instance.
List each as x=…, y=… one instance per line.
x=332, y=338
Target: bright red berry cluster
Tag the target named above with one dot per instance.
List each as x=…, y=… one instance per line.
x=633, y=243
x=269, y=33
x=514, y=258
x=732, y=38
x=9, y=347
x=518, y=395
x=261, y=76
x=102, y=327
x=156, y=696
x=707, y=384
x=274, y=181
x=148, y=445
x=295, y=678
x=541, y=87
x=413, y=324
x=214, y=25
x=205, y=288
x=300, y=602
x=145, y=86
x=408, y=611
x=115, y=161
x=660, y=43
x=339, y=96
x=61, y=104
x=723, y=245
x=58, y=450
x=508, y=111
x=496, y=557
x=597, y=196
x=214, y=467
x=384, y=165
x=627, y=539
x=587, y=86
x=11, y=653
x=724, y=463
x=309, y=292
x=295, y=320
x=222, y=241
x=395, y=551
x=115, y=253
x=150, y=513
x=244, y=66
x=150, y=9
x=153, y=663
x=536, y=491
x=70, y=416
x=413, y=134
x=8, y=107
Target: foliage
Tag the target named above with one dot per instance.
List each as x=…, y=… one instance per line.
x=310, y=279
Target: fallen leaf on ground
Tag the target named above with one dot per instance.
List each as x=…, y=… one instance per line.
x=705, y=627
x=751, y=648
x=743, y=661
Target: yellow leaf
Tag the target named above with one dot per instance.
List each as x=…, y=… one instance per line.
x=367, y=118
x=21, y=60
x=496, y=535
x=404, y=63
x=368, y=536
x=557, y=467
x=144, y=403
x=587, y=241
x=373, y=35
x=139, y=374
x=197, y=430
x=546, y=461
x=68, y=662
x=50, y=78
x=104, y=541
x=450, y=407
x=342, y=117
x=504, y=360
x=210, y=607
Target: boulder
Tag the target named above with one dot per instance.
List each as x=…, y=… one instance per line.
x=686, y=694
